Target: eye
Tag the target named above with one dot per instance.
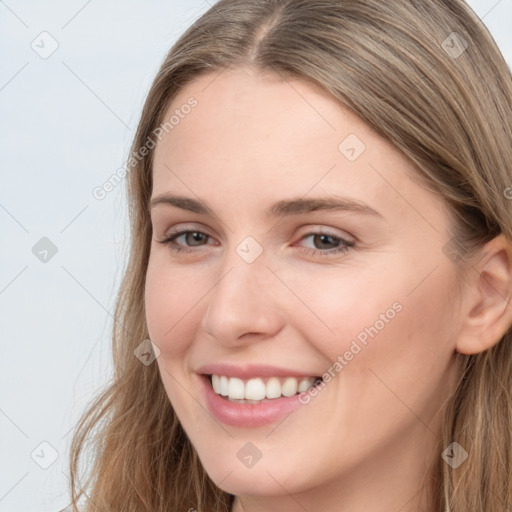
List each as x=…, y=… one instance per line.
x=193, y=238
x=190, y=236
x=321, y=238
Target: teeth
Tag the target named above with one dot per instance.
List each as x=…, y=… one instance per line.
x=305, y=384
x=273, y=388
x=256, y=389
x=223, y=386
x=236, y=388
x=290, y=386
x=216, y=384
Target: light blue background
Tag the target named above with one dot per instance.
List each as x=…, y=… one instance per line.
x=67, y=123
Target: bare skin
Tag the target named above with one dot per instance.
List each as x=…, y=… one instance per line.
x=365, y=441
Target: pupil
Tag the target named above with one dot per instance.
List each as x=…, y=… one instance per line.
x=324, y=238
x=197, y=236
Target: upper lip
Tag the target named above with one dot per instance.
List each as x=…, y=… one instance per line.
x=249, y=371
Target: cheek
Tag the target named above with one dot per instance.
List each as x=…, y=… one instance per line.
x=335, y=306
x=394, y=321
x=169, y=299
x=408, y=352
x=396, y=353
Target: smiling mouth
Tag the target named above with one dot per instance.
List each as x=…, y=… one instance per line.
x=259, y=390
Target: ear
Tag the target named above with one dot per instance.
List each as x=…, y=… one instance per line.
x=487, y=310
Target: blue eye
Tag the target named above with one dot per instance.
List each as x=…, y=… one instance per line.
x=321, y=237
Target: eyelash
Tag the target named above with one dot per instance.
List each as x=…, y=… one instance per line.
x=170, y=242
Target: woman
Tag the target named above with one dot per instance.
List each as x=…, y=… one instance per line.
x=257, y=368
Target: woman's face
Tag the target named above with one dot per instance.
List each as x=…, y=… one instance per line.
x=310, y=252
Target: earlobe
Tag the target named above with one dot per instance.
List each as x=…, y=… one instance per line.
x=487, y=306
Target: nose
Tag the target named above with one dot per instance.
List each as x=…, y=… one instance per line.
x=244, y=304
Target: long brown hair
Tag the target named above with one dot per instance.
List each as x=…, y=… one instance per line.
x=428, y=78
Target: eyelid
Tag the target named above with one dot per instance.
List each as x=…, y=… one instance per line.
x=327, y=230
x=345, y=245
x=318, y=229
x=186, y=227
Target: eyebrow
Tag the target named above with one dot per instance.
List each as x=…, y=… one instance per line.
x=284, y=208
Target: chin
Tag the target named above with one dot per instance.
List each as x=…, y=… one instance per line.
x=272, y=475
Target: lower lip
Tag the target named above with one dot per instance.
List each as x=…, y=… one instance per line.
x=248, y=415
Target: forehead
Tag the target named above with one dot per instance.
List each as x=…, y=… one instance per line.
x=243, y=103
x=263, y=137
